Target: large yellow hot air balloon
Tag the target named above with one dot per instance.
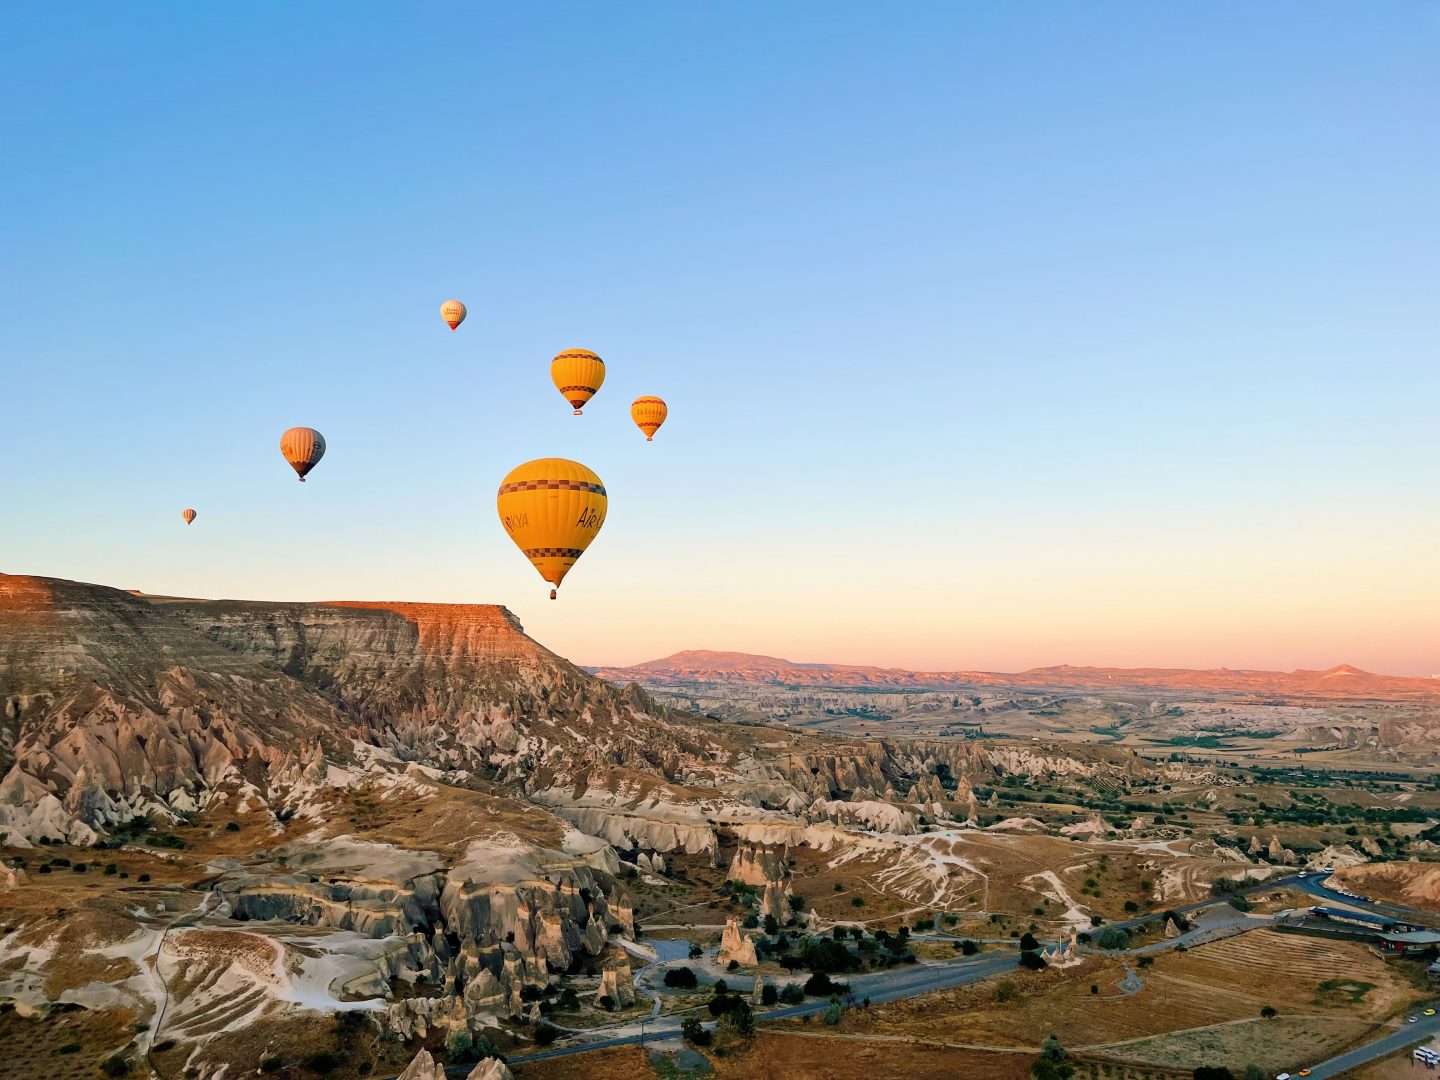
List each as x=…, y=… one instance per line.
x=552, y=508
x=648, y=413
x=188, y=515
x=577, y=374
x=303, y=448
x=453, y=312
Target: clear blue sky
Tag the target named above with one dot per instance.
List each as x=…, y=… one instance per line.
x=993, y=335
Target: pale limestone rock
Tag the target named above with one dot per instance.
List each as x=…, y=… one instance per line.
x=734, y=945
x=423, y=1067
x=490, y=1069
x=618, y=984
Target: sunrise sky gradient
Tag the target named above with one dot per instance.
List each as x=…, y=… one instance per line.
x=993, y=336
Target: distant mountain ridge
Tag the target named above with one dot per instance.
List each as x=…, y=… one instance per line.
x=707, y=666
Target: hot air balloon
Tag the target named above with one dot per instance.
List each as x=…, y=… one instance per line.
x=648, y=413
x=303, y=448
x=552, y=508
x=577, y=374
x=453, y=312
x=188, y=515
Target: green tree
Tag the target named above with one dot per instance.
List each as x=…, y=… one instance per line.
x=738, y=1023
x=693, y=1032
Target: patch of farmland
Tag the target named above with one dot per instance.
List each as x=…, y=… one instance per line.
x=1286, y=1043
x=1280, y=969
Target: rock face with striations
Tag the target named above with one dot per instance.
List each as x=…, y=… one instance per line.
x=114, y=705
x=763, y=867
x=617, y=983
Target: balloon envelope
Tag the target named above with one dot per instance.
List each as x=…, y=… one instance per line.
x=303, y=448
x=188, y=515
x=453, y=312
x=648, y=413
x=552, y=508
x=577, y=374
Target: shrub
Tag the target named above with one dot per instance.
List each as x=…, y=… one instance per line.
x=232, y=826
x=769, y=995
x=1005, y=991
x=751, y=921
x=1131, y=906
x=1212, y=1072
x=1114, y=937
x=270, y=1063
x=546, y=1033
x=738, y=1023
x=827, y=955
x=834, y=1013
x=693, y=1032
x=143, y=878
x=733, y=965
x=772, y=925
x=857, y=901
x=70, y=1048
x=969, y=948
x=1033, y=961
x=323, y=1062
x=820, y=985
x=1028, y=942
x=1268, y=1012
x=696, y=952
x=460, y=1045
x=115, y=1065
x=1094, y=989
x=792, y=994
x=681, y=978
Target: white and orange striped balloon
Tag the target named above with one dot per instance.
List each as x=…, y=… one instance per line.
x=453, y=312
x=303, y=448
x=188, y=515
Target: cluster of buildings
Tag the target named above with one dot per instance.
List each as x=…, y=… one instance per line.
x=1386, y=934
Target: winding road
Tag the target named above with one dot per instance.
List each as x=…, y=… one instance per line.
x=914, y=979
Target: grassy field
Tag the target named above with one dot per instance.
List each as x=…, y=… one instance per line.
x=1289, y=971
x=1283, y=1043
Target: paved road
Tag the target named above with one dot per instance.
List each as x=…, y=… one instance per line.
x=1313, y=886
x=911, y=980
x=1407, y=1036
x=891, y=985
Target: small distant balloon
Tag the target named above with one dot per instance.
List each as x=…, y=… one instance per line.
x=648, y=413
x=552, y=508
x=188, y=515
x=453, y=312
x=303, y=448
x=577, y=374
